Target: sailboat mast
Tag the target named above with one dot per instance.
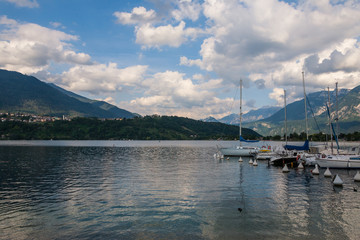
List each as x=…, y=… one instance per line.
x=337, y=118
x=306, y=120
x=331, y=135
x=285, y=116
x=337, y=110
x=240, y=110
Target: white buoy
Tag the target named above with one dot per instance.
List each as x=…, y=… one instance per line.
x=240, y=159
x=357, y=177
x=251, y=161
x=316, y=170
x=300, y=166
x=327, y=173
x=337, y=181
x=255, y=163
x=285, y=169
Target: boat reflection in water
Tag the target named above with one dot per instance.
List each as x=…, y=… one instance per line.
x=165, y=190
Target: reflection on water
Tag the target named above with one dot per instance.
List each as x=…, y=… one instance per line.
x=166, y=191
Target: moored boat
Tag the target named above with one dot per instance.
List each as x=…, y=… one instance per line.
x=240, y=151
x=338, y=161
x=290, y=158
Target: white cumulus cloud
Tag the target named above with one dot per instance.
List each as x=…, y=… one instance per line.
x=278, y=95
x=138, y=15
x=29, y=48
x=101, y=78
x=150, y=33
x=275, y=41
x=150, y=36
x=24, y=3
x=187, y=9
x=171, y=93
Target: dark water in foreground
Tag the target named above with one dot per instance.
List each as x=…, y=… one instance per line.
x=166, y=191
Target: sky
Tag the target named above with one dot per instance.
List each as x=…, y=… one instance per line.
x=184, y=57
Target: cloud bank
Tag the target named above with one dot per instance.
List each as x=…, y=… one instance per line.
x=266, y=42
x=29, y=48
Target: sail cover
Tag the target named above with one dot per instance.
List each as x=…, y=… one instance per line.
x=249, y=141
x=332, y=127
x=305, y=147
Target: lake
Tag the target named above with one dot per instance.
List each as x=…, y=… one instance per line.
x=164, y=190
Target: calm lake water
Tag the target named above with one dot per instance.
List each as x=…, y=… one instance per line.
x=164, y=190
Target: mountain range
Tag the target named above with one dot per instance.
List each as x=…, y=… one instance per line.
x=252, y=115
x=348, y=105
x=27, y=94
x=348, y=114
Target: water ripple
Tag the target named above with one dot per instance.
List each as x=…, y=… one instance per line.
x=165, y=192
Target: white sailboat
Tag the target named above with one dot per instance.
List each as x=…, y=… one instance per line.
x=240, y=151
x=338, y=161
x=293, y=153
x=348, y=161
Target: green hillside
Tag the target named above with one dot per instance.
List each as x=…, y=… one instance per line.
x=138, y=128
x=21, y=93
x=100, y=104
x=349, y=115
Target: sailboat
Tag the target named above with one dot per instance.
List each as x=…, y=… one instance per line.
x=284, y=157
x=348, y=161
x=305, y=147
x=291, y=154
x=240, y=151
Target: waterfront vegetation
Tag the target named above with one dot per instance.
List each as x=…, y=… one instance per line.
x=139, y=128
x=317, y=137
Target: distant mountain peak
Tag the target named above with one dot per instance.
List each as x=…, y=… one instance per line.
x=252, y=115
x=209, y=119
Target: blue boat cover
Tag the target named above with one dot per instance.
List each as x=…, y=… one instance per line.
x=249, y=141
x=305, y=147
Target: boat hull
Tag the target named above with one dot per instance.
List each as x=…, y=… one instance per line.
x=280, y=161
x=339, y=161
x=238, y=152
x=266, y=155
x=289, y=158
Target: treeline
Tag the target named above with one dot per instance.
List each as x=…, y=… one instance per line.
x=138, y=128
x=318, y=137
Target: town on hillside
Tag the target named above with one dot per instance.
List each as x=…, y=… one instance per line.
x=29, y=118
x=33, y=118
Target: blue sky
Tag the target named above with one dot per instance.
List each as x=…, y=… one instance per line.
x=184, y=57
